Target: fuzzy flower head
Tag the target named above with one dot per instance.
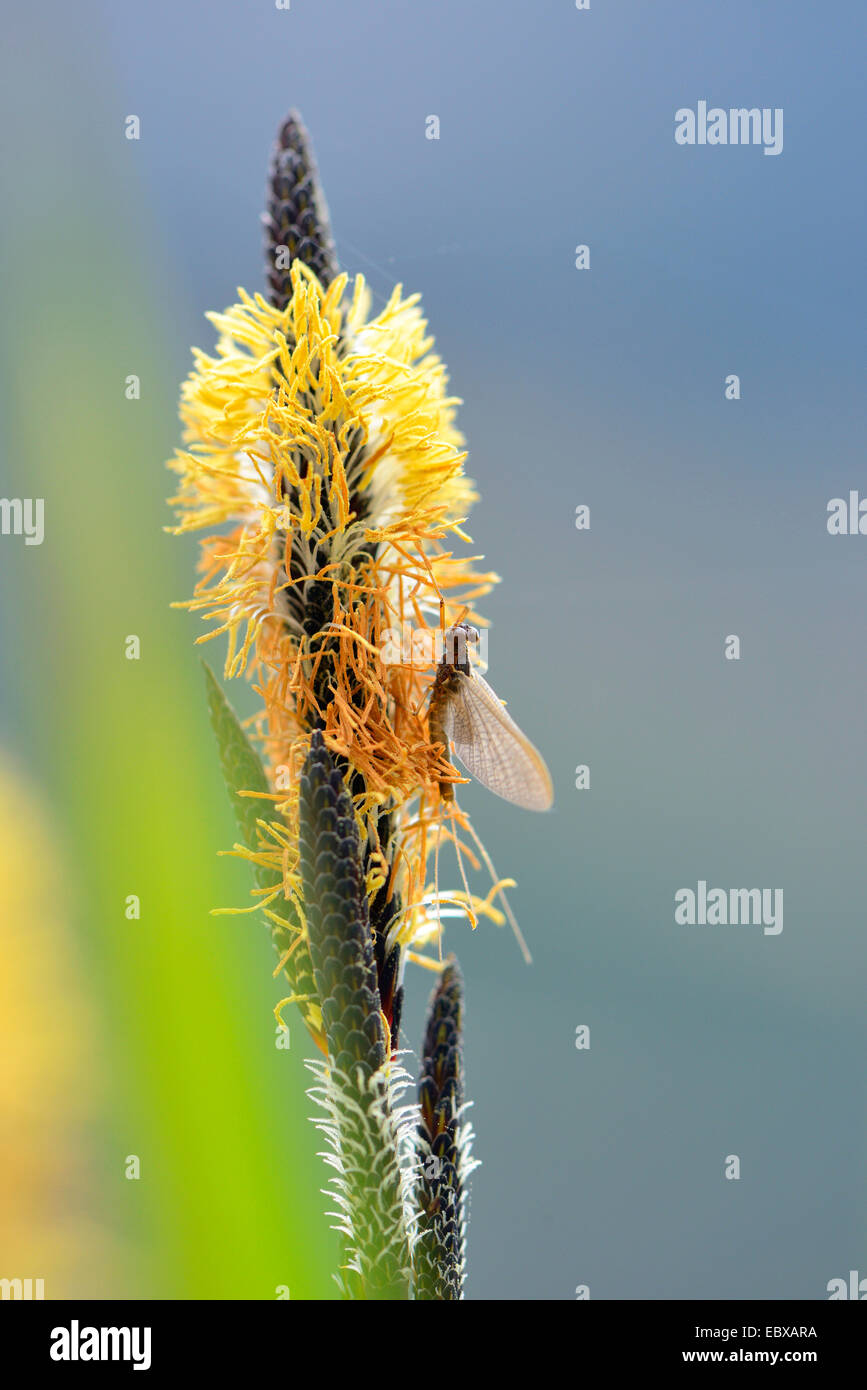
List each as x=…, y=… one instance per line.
x=323, y=462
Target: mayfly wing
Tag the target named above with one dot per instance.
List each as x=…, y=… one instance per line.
x=492, y=747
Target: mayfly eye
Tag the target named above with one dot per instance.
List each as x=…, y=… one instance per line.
x=456, y=641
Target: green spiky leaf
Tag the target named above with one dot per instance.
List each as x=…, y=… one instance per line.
x=242, y=770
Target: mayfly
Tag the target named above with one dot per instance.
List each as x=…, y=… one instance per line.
x=465, y=710
x=465, y=714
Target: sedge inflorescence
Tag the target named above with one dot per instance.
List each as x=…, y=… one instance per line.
x=323, y=464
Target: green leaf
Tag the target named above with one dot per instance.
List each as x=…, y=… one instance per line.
x=242, y=770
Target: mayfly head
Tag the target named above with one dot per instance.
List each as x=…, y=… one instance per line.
x=456, y=643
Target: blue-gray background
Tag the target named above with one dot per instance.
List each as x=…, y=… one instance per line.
x=604, y=387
